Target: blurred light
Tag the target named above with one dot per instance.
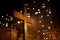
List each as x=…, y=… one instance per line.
x=43, y=6
x=28, y=16
x=33, y=8
x=11, y=18
x=49, y=27
x=39, y=12
x=34, y=1
x=49, y=12
x=3, y=24
x=38, y=9
x=38, y=30
x=6, y=14
x=40, y=21
x=21, y=11
x=6, y=19
x=41, y=16
x=48, y=0
x=47, y=15
x=43, y=33
x=50, y=35
x=19, y=22
x=28, y=8
x=2, y=16
x=36, y=13
x=51, y=22
x=42, y=25
x=46, y=38
x=26, y=4
x=6, y=24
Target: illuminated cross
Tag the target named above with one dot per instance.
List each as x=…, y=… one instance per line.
x=24, y=17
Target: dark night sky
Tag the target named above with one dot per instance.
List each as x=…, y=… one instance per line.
x=8, y=6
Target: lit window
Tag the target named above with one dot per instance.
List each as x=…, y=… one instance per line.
x=38, y=9
x=34, y=1
x=51, y=22
x=11, y=18
x=42, y=25
x=43, y=6
x=50, y=35
x=49, y=12
x=3, y=24
x=39, y=12
x=43, y=33
x=6, y=24
x=2, y=16
x=5, y=18
x=28, y=8
x=6, y=14
x=40, y=21
x=26, y=4
x=33, y=8
x=43, y=38
x=46, y=38
x=28, y=14
x=36, y=13
x=47, y=15
x=41, y=16
x=49, y=27
x=38, y=30
x=48, y=0
x=19, y=22
x=21, y=11
x=8, y=19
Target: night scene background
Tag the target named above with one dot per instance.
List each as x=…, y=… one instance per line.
x=29, y=20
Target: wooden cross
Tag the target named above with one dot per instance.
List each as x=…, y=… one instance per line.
x=24, y=17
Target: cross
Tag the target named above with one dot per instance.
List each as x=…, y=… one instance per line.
x=24, y=17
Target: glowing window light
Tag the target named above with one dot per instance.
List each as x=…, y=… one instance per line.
x=43, y=6
x=47, y=15
x=11, y=18
x=6, y=24
x=41, y=16
x=26, y=4
x=21, y=11
x=28, y=16
x=33, y=8
x=6, y=14
x=49, y=12
x=42, y=25
x=49, y=27
x=38, y=9
x=43, y=33
x=39, y=12
x=19, y=22
x=48, y=0
x=2, y=16
x=46, y=38
x=51, y=22
x=36, y=13
x=6, y=19
x=28, y=8
x=40, y=21
x=3, y=24
x=34, y=1
x=43, y=38
x=38, y=30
